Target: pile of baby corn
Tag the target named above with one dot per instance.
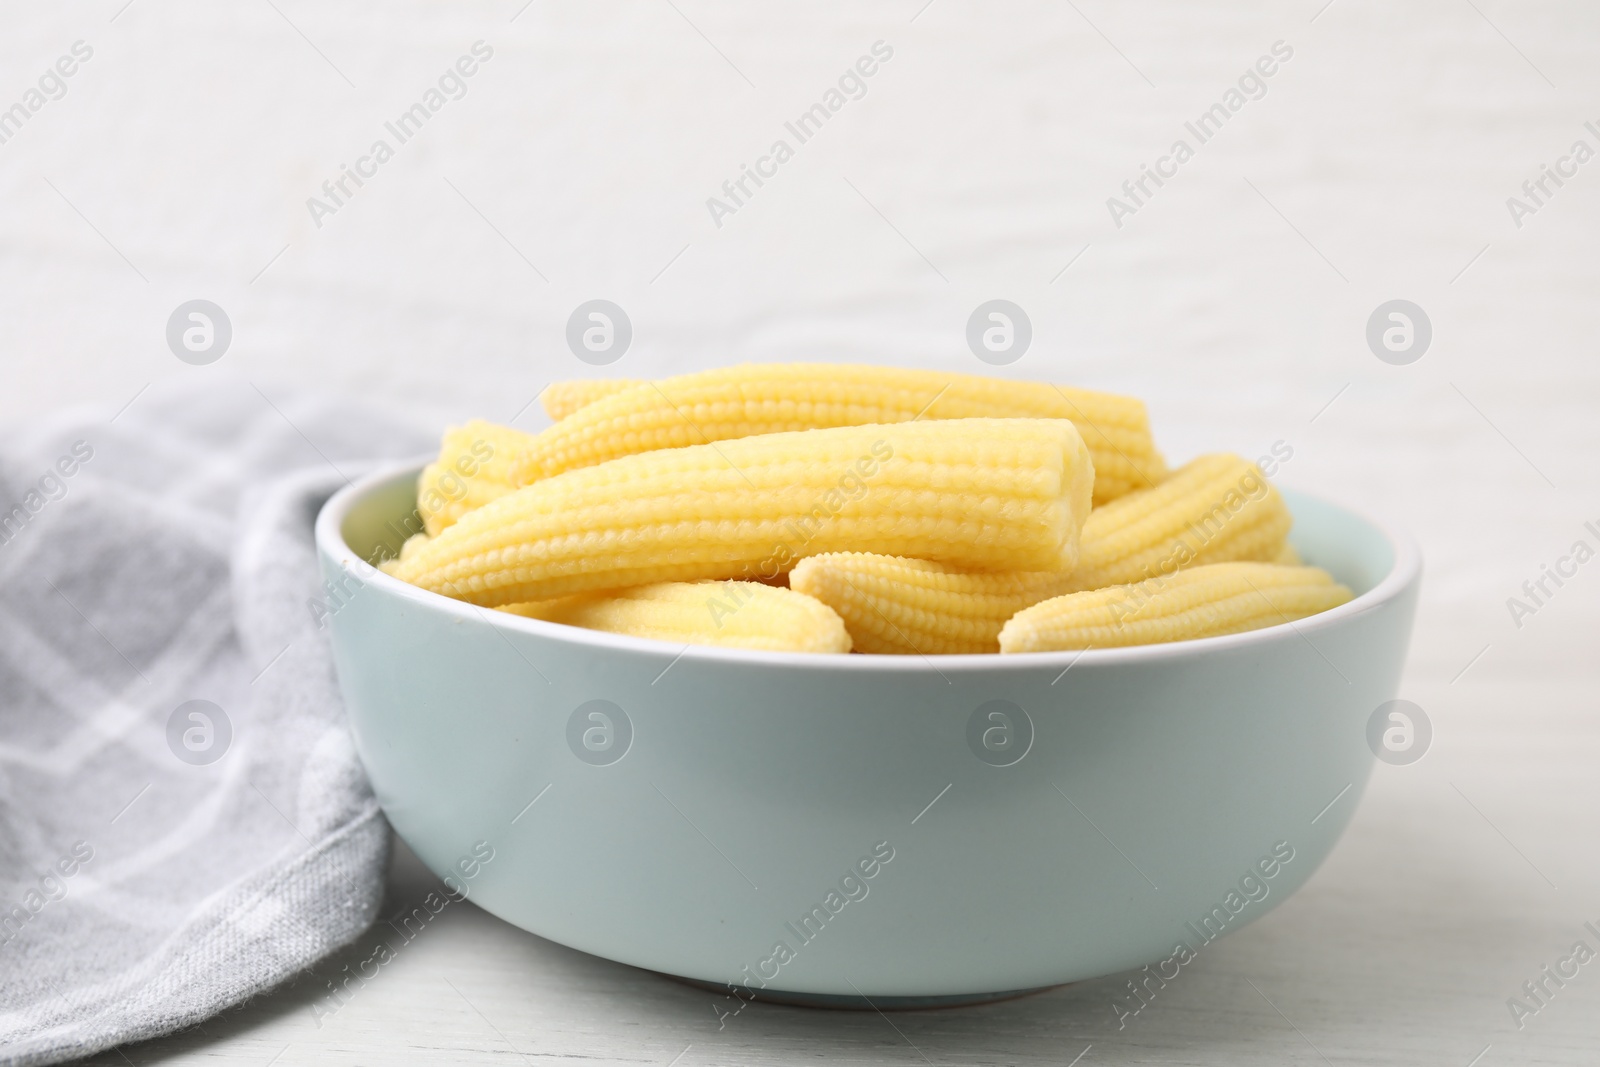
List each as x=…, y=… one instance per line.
x=831, y=508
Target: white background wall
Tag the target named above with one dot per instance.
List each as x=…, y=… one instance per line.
x=1380, y=159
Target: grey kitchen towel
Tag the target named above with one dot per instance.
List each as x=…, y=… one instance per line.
x=183, y=819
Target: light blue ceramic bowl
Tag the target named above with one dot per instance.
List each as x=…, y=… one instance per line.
x=879, y=826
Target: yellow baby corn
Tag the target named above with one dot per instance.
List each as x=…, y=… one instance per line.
x=1205, y=601
x=410, y=548
x=473, y=468
x=561, y=399
x=978, y=493
x=730, y=614
x=1215, y=509
x=736, y=402
x=895, y=605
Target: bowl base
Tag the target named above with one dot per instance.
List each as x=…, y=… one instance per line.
x=852, y=1002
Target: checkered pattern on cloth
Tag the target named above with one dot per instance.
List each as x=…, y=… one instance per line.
x=163, y=557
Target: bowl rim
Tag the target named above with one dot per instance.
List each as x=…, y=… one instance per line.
x=1403, y=574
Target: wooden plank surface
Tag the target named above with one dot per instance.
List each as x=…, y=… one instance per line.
x=1434, y=909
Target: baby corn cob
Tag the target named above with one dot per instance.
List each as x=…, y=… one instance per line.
x=730, y=614
x=473, y=468
x=561, y=399
x=1215, y=509
x=1205, y=601
x=895, y=605
x=736, y=402
x=411, y=547
x=979, y=493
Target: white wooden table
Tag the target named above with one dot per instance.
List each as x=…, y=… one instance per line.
x=978, y=165
x=1403, y=949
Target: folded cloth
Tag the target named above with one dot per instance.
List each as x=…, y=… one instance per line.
x=183, y=820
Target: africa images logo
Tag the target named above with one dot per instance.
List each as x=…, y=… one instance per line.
x=852, y=85
x=1252, y=85
x=1252, y=887
x=852, y=886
